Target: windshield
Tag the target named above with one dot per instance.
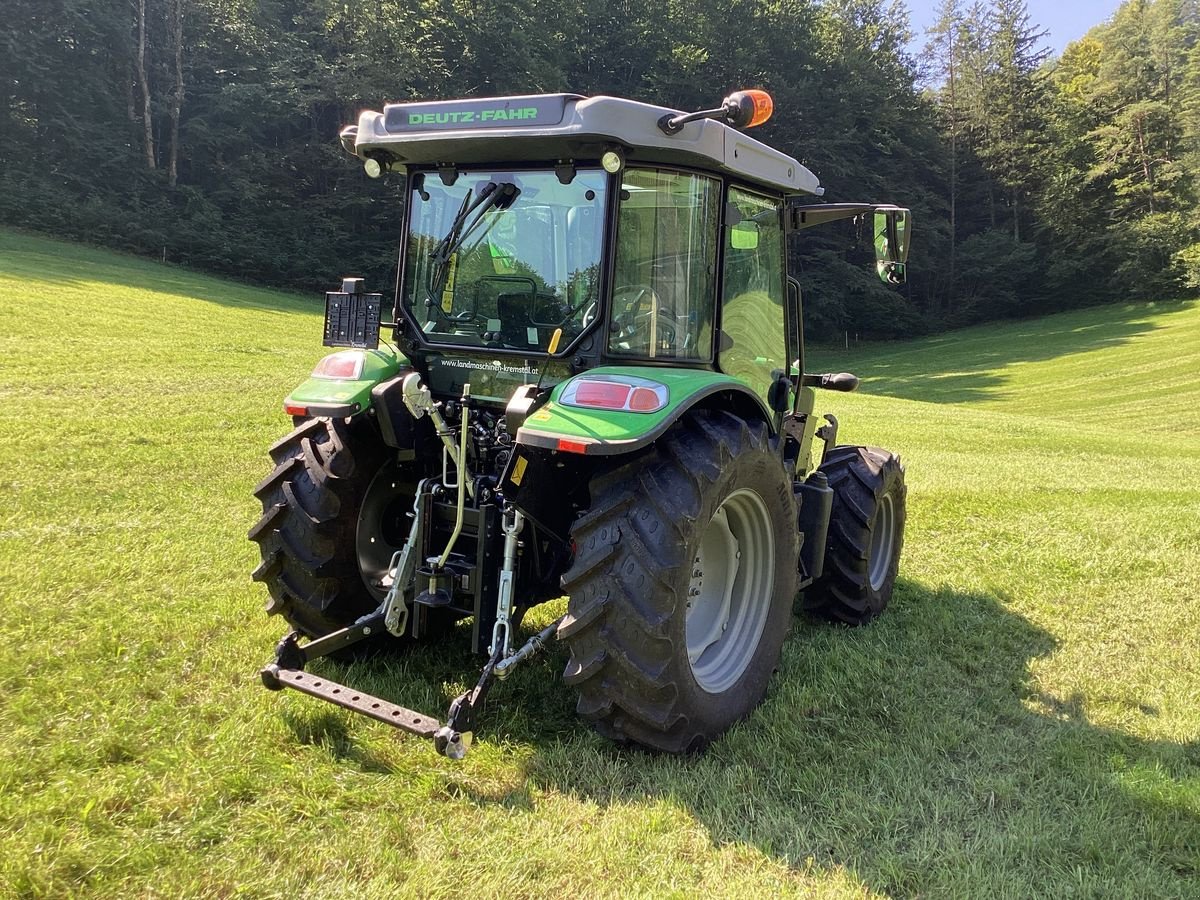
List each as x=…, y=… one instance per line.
x=501, y=259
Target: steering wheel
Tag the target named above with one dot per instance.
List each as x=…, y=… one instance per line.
x=632, y=325
x=466, y=322
x=627, y=303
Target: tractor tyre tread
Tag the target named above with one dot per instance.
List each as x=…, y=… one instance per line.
x=859, y=476
x=628, y=582
x=321, y=468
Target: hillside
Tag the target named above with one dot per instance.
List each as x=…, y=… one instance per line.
x=1022, y=722
x=1137, y=362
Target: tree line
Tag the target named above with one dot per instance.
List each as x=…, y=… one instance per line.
x=205, y=132
x=1067, y=181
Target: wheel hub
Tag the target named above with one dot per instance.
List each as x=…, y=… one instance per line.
x=883, y=538
x=382, y=528
x=730, y=591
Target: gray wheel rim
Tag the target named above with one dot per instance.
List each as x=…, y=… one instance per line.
x=730, y=592
x=883, y=540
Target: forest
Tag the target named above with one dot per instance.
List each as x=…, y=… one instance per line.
x=203, y=132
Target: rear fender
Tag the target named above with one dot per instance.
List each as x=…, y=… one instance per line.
x=341, y=383
x=566, y=423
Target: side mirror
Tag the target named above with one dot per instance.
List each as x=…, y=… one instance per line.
x=892, y=231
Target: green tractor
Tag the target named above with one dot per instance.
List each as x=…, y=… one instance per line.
x=593, y=387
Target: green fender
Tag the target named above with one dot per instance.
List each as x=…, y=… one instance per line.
x=561, y=424
x=341, y=383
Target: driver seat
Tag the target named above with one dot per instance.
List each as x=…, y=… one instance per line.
x=516, y=326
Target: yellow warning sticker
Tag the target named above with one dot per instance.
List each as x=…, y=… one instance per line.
x=518, y=471
x=448, y=291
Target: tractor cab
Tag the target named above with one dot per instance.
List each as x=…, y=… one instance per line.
x=627, y=268
x=636, y=237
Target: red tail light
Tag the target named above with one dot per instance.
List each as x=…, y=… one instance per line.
x=644, y=399
x=626, y=393
x=344, y=365
x=603, y=394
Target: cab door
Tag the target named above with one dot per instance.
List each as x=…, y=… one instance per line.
x=752, y=344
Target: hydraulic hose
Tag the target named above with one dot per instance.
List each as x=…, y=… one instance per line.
x=464, y=415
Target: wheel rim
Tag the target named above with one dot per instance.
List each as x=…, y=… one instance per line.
x=383, y=523
x=883, y=539
x=730, y=592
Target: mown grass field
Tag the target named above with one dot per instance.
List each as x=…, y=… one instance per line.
x=1023, y=722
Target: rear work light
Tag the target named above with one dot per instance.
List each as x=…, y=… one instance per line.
x=624, y=393
x=345, y=365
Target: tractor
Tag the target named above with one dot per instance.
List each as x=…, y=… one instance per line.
x=591, y=384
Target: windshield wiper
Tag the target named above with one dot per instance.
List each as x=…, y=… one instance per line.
x=491, y=195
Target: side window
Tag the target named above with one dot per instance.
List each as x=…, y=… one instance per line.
x=664, y=284
x=752, y=344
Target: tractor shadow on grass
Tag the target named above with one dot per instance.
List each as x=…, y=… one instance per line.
x=322, y=726
x=915, y=755
x=960, y=366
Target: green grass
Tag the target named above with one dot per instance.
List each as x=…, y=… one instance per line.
x=1023, y=721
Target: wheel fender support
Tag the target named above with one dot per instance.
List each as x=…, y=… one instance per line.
x=815, y=497
x=396, y=423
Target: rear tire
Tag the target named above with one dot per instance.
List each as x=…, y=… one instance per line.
x=334, y=510
x=866, y=534
x=701, y=521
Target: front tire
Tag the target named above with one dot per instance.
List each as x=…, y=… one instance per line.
x=866, y=535
x=682, y=585
x=334, y=510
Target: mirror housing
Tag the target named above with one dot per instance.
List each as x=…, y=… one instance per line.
x=892, y=231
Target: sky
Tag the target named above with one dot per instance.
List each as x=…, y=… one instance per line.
x=1066, y=20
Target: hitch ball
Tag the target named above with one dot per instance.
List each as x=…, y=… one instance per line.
x=452, y=744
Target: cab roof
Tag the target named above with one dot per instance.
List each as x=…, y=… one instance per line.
x=557, y=127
